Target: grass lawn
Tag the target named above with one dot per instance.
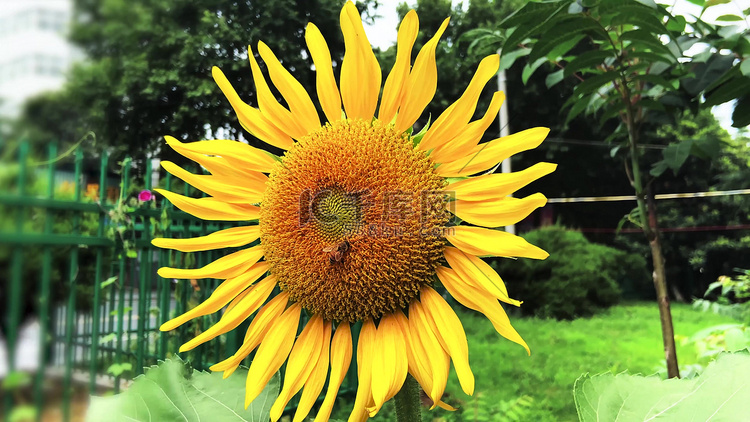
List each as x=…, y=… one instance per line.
x=626, y=337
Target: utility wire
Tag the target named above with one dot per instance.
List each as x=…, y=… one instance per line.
x=657, y=197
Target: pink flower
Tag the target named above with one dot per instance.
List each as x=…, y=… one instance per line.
x=145, y=195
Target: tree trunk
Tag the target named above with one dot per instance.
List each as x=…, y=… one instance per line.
x=662, y=295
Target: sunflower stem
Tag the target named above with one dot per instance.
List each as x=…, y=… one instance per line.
x=408, y=404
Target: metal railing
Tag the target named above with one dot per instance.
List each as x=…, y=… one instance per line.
x=82, y=301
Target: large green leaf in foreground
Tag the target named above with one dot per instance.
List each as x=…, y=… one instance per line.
x=721, y=393
x=170, y=392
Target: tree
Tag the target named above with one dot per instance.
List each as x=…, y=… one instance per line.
x=148, y=67
x=627, y=73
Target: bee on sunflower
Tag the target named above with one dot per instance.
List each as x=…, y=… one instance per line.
x=357, y=223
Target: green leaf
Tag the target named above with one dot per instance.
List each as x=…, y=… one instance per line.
x=530, y=68
x=706, y=74
x=564, y=47
x=640, y=38
x=588, y=61
x=706, y=148
x=640, y=16
x=23, y=413
x=676, y=23
x=117, y=369
x=528, y=21
x=507, y=59
x=108, y=281
x=741, y=114
x=711, y=3
x=675, y=154
x=111, y=336
x=532, y=12
x=745, y=67
x=658, y=80
x=729, y=18
x=721, y=393
x=554, y=78
x=650, y=58
x=15, y=380
x=733, y=88
x=658, y=168
x=595, y=82
x=169, y=392
x=578, y=107
x=562, y=33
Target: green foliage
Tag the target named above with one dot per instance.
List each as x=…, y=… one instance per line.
x=622, y=337
x=480, y=409
x=578, y=278
x=148, y=67
x=720, y=393
x=720, y=255
x=173, y=391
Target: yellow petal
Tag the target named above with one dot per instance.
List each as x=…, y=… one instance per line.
x=303, y=357
x=497, y=212
x=270, y=107
x=451, y=331
x=241, y=154
x=258, y=328
x=498, y=185
x=228, y=266
x=325, y=82
x=341, y=357
x=470, y=135
x=251, y=118
x=389, y=363
x=417, y=367
x=393, y=90
x=446, y=406
x=360, y=71
x=473, y=298
x=220, y=297
x=479, y=273
x=235, y=315
x=428, y=350
x=317, y=379
x=227, y=190
x=454, y=119
x=365, y=349
x=421, y=84
x=211, y=208
x=487, y=155
x=294, y=94
x=272, y=352
x=227, y=238
x=215, y=165
x=488, y=242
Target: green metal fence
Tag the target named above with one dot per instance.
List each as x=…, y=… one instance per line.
x=82, y=301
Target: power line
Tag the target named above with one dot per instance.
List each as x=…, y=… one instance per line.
x=670, y=229
x=661, y=196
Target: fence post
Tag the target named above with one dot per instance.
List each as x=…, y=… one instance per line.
x=45, y=283
x=71, y=319
x=144, y=285
x=13, y=313
x=124, y=185
x=98, y=275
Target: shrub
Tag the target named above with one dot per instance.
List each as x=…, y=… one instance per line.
x=577, y=279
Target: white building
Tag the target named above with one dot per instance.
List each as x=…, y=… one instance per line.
x=34, y=51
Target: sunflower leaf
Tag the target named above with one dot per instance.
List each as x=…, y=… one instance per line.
x=170, y=392
x=720, y=393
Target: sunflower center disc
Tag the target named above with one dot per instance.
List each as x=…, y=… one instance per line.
x=351, y=221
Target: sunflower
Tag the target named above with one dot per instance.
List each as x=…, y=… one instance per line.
x=358, y=221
